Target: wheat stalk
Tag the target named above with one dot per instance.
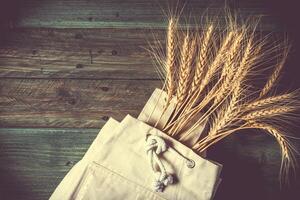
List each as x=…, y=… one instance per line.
x=201, y=59
x=228, y=114
x=209, y=73
x=242, y=70
x=287, y=153
x=187, y=52
x=171, y=57
x=218, y=88
x=273, y=78
x=217, y=61
x=285, y=146
x=268, y=112
x=229, y=68
x=275, y=100
x=277, y=134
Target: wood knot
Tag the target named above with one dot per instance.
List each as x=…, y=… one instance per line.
x=69, y=163
x=105, y=89
x=79, y=66
x=105, y=118
x=72, y=101
x=114, y=52
x=50, y=33
x=67, y=96
x=78, y=36
x=100, y=51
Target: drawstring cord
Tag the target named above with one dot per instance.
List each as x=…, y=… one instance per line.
x=155, y=146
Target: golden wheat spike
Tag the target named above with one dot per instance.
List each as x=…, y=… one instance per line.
x=245, y=65
x=242, y=70
x=212, y=69
x=216, y=62
x=229, y=68
x=171, y=57
x=285, y=146
x=203, y=48
x=279, y=137
x=273, y=78
x=268, y=112
x=187, y=52
x=229, y=114
x=182, y=121
x=287, y=153
x=269, y=101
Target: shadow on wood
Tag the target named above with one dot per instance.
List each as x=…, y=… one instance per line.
x=251, y=166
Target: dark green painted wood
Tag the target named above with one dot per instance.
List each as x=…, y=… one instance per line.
x=126, y=14
x=33, y=161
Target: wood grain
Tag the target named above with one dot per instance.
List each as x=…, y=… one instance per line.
x=127, y=14
x=66, y=66
x=70, y=103
x=78, y=53
x=34, y=161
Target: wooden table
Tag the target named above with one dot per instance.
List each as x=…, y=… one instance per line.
x=67, y=66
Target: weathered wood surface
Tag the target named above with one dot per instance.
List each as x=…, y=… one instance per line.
x=33, y=161
x=126, y=14
x=70, y=103
x=66, y=66
x=78, y=53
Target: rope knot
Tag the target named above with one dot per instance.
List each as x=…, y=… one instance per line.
x=156, y=143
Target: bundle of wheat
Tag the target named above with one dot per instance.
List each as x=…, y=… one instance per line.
x=210, y=73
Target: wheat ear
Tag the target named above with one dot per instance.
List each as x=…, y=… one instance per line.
x=242, y=70
x=216, y=63
x=203, y=48
x=227, y=116
x=212, y=69
x=273, y=78
x=171, y=57
x=229, y=69
x=279, y=99
x=287, y=153
x=268, y=112
x=187, y=52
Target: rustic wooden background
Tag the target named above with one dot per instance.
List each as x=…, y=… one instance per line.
x=67, y=66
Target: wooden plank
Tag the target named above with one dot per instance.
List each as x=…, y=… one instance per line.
x=78, y=53
x=125, y=14
x=34, y=160
x=70, y=103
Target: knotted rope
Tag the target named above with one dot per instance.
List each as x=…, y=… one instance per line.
x=155, y=146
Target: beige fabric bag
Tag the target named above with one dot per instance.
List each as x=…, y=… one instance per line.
x=71, y=181
x=122, y=169
x=155, y=114
x=117, y=167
